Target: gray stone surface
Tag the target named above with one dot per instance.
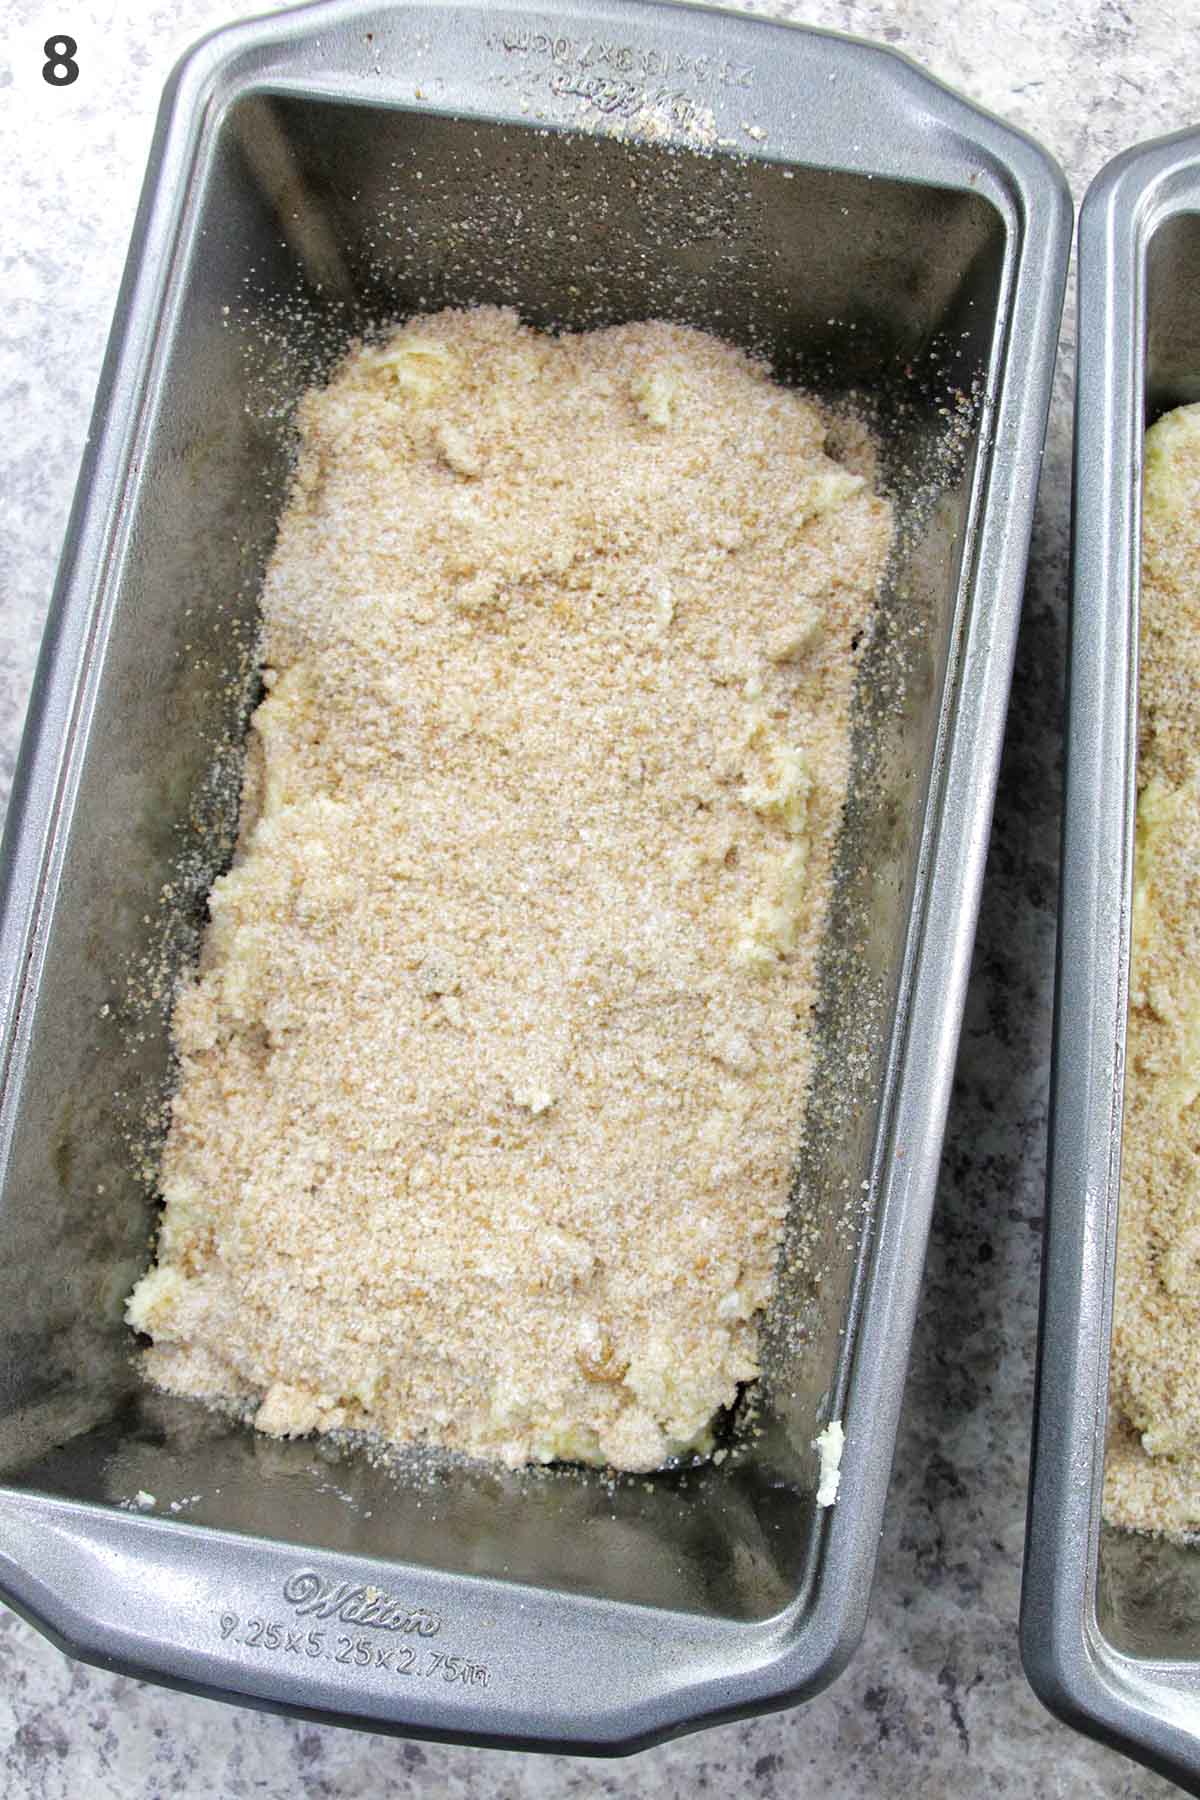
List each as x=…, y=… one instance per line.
x=935, y=1702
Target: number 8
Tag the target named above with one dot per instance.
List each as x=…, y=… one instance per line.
x=60, y=68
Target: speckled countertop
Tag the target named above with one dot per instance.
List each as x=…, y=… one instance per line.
x=935, y=1702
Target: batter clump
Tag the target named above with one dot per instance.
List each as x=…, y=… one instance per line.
x=494, y=1066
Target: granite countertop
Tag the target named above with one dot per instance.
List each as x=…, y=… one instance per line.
x=935, y=1701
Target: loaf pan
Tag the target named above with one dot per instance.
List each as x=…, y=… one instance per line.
x=1110, y=1626
x=815, y=199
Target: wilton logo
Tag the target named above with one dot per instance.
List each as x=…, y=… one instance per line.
x=308, y=1594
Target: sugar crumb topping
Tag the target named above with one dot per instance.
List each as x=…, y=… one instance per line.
x=493, y=1068
x=1152, y=1474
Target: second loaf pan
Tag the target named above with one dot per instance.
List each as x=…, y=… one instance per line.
x=819, y=200
x=1110, y=1627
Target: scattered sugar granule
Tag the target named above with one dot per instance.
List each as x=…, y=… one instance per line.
x=493, y=1069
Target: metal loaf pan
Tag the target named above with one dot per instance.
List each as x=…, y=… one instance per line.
x=1110, y=1628
x=817, y=199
